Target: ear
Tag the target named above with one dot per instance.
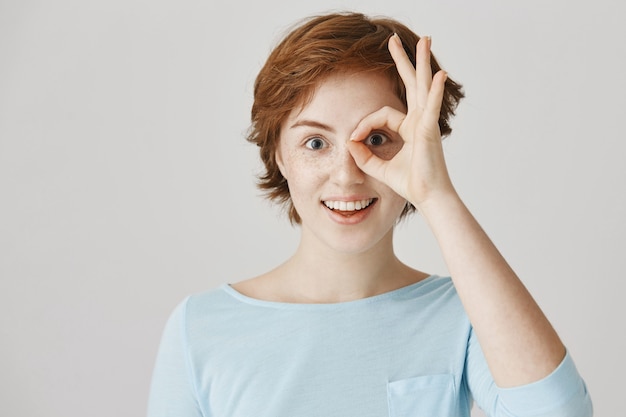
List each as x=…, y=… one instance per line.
x=279, y=161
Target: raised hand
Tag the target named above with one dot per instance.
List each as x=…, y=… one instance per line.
x=518, y=342
x=418, y=171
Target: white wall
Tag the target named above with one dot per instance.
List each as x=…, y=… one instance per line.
x=126, y=183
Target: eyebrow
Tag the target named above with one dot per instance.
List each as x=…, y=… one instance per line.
x=312, y=123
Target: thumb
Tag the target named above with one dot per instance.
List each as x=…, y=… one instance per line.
x=369, y=163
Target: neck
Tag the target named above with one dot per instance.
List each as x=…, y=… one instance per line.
x=319, y=274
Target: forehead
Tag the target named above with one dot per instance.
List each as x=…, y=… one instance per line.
x=345, y=98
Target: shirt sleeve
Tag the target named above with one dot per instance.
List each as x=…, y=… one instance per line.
x=173, y=392
x=561, y=394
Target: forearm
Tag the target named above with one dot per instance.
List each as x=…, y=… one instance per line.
x=519, y=343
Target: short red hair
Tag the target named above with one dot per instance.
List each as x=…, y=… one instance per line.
x=318, y=47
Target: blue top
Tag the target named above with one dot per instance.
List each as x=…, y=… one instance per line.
x=408, y=352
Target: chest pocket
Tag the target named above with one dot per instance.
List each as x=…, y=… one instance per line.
x=422, y=396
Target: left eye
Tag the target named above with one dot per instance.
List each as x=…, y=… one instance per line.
x=376, y=139
x=315, y=143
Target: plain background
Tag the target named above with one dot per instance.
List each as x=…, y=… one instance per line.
x=126, y=182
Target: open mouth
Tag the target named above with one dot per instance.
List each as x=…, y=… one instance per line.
x=348, y=208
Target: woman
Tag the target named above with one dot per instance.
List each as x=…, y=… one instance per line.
x=348, y=114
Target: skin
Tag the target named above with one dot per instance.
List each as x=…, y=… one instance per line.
x=317, y=271
x=339, y=263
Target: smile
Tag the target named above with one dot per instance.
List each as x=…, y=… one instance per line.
x=348, y=205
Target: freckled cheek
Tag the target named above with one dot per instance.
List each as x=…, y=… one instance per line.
x=305, y=174
x=300, y=163
x=399, y=204
x=394, y=201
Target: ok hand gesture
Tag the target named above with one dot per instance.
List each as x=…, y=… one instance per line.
x=418, y=171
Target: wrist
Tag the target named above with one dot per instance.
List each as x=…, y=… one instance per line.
x=438, y=202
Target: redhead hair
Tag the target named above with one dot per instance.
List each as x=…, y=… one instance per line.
x=318, y=47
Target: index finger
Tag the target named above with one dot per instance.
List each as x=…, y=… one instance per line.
x=384, y=117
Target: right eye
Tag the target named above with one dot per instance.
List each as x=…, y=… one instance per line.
x=315, y=143
x=376, y=139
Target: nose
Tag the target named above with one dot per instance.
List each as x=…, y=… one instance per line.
x=345, y=171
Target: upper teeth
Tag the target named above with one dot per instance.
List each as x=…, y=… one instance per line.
x=348, y=205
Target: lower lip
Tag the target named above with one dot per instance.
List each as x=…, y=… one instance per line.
x=357, y=217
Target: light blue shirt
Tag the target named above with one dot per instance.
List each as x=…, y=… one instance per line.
x=409, y=352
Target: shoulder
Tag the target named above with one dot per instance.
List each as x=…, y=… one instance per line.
x=208, y=303
x=436, y=295
x=434, y=287
x=201, y=307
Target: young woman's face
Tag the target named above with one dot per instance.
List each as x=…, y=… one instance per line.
x=339, y=205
